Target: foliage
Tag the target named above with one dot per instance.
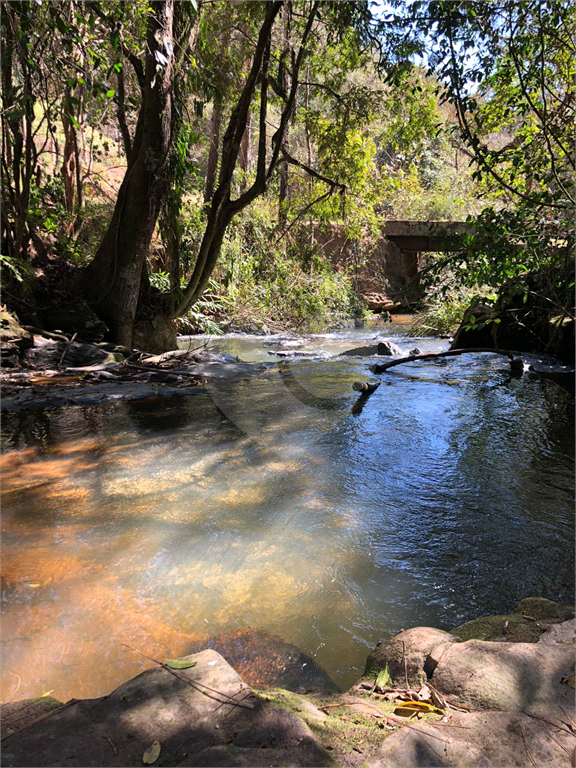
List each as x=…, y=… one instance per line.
x=442, y=312
x=282, y=283
x=508, y=72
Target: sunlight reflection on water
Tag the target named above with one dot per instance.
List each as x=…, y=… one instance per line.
x=265, y=503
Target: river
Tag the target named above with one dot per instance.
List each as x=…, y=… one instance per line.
x=269, y=502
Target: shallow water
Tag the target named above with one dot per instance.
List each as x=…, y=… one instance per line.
x=266, y=502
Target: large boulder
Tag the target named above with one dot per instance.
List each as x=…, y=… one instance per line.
x=519, y=325
x=72, y=315
x=383, y=347
x=405, y=654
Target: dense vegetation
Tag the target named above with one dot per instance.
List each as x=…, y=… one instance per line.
x=175, y=161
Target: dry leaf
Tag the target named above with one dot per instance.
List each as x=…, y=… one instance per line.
x=152, y=753
x=408, y=708
x=570, y=681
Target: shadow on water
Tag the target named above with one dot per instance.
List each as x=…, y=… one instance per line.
x=265, y=503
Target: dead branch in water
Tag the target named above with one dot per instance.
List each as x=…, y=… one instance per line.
x=381, y=367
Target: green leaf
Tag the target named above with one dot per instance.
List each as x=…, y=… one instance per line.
x=179, y=663
x=110, y=93
x=383, y=678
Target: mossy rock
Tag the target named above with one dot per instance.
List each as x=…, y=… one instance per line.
x=10, y=328
x=541, y=609
x=513, y=628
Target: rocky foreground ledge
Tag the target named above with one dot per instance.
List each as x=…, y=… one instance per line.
x=428, y=698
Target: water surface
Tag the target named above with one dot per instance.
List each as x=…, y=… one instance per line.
x=265, y=502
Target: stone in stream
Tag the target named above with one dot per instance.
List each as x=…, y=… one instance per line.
x=264, y=659
x=381, y=348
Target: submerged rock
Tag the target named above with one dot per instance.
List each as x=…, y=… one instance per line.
x=265, y=660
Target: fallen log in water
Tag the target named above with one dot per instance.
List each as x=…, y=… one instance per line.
x=365, y=390
x=516, y=363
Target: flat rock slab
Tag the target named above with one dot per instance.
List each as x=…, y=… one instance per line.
x=204, y=715
x=58, y=395
x=92, y=394
x=479, y=740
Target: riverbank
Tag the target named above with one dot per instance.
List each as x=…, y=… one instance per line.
x=427, y=698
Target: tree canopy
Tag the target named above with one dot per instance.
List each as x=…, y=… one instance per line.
x=338, y=112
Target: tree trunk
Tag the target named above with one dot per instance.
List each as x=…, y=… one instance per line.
x=246, y=152
x=112, y=281
x=215, y=125
x=283, y=194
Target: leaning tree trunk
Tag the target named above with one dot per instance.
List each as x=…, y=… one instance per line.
x=112, y=281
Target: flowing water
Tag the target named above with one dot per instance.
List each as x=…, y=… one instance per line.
x=267, y=502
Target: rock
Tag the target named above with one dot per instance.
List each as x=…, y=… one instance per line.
x=10, y=328
x=541, y=609
x=522, y=325
x=560, y=634
x=415, y=351
x=75, y=316
x=47, y=354
x=285, y=343
x=514, y=627
x=388, y=348
x=506, y=676
x=204, y=715
x=19, y=714
x=264, y=659
x=364, y=387
x=419, y=642
x=382, y=348
x=186, y=356
x=482, y=739
x=469, y=337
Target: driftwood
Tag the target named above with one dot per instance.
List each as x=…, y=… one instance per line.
x=516, y=363
x=365, y=390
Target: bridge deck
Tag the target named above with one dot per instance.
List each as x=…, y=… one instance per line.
x=415, y=236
